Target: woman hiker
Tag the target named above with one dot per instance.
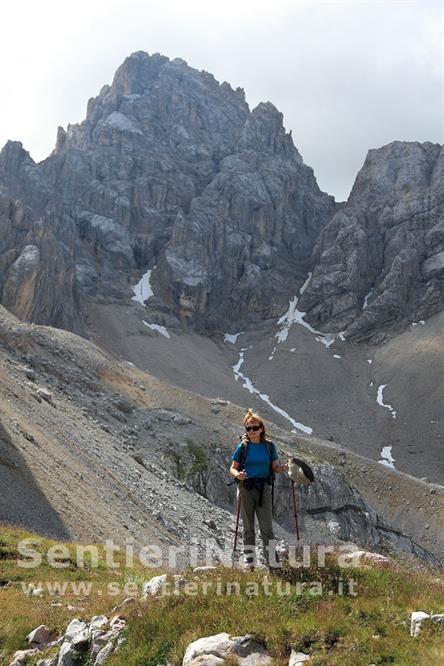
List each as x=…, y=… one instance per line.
x=255, y=461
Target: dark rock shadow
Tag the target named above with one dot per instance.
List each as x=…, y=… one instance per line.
x=22, y=501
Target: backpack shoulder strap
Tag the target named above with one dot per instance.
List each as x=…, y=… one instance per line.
x=269, y=445
x=243, y=455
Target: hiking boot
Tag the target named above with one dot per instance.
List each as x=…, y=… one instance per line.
x=262, y=566
x=249, y=566
x=276, y=568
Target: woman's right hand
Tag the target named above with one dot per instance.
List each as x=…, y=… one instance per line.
x=241, y=476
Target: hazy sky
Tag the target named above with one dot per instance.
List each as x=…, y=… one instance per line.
x=348, y=75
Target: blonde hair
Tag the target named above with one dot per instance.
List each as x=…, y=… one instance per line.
x=253, y=416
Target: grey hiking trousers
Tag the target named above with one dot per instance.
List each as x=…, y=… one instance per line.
x=249, y=508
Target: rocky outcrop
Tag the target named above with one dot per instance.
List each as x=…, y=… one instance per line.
x=95, y=640
x=37, y=268
x=379, y=263
x=331, y=507
x=92, y=640
x=418, y=617
x=212, y=650
x=170, y=169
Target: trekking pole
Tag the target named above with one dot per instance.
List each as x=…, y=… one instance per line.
x=238, y=512
x=294, y=508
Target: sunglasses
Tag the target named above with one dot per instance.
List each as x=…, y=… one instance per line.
x=255, y=427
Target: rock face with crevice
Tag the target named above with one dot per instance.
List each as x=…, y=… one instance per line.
x=169, y=169
x=379, y=263
x=172, y=171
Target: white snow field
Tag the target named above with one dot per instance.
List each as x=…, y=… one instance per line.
x=380, y=400
x=263, y=396
x=159, y=328
x=143, y=290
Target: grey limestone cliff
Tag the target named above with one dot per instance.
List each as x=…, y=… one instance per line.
x=379, y=263
x=172, y=171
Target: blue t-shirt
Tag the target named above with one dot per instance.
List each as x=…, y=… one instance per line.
x=257, y=461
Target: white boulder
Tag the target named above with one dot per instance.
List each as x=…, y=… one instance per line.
x=212, y=650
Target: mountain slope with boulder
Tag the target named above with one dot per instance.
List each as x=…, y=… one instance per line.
x=93, y=448
x=174, y=215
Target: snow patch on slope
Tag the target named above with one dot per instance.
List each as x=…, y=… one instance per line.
x=143, y=290
x=380, y=400
x=247, y=383
x=386, y=457
x=232, y=337
x=158, y=327
x=366, y=299
x=295, y=316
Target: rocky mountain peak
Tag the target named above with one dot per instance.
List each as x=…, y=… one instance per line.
x=395, y=170
x=171, y=169
x=153, y=100
x=137, y=72
x=264, y=132
x=379, y=263
x=12, y=157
